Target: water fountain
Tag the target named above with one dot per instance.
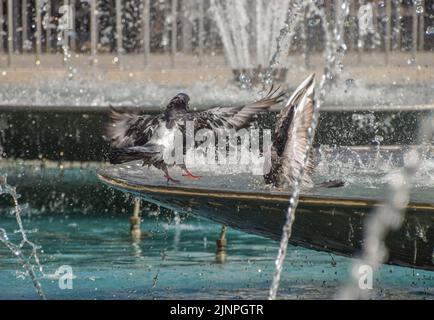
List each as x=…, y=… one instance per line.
x=260, y=44
x=334, y=53
x=249, y=36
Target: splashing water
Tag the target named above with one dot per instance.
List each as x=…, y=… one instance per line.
x=17, y=249
x=335, y=50
x=285, y=37
x=63, y=30
x=373, y=167
x=240, y=27
x=388, y=217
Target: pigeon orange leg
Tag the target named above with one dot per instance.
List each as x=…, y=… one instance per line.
x=190, y=176
x=187, y=173
x=168, y=177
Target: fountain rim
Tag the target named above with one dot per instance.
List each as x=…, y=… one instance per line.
x=278, y=196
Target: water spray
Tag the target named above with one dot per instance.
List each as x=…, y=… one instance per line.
x=17, y=249
x=387, y=217
x=335, y=50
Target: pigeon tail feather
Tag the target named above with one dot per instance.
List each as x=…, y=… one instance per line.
x=122, y=155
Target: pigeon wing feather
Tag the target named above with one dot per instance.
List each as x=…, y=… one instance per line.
x=236, y=117
x=127, y=128
x=298, y=113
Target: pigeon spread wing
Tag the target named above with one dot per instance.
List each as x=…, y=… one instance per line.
x=128, y=128
x=235, y=117
x=291, y=136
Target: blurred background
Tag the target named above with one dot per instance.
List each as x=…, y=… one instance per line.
x=137, y=52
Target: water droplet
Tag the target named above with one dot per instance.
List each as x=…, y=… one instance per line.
x=429, y=31
x=349, y=82
x=314, y=22
x=244, y=80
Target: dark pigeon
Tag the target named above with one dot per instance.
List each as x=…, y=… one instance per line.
x=146, y=137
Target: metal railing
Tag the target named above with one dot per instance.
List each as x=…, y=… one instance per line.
x=147, y=27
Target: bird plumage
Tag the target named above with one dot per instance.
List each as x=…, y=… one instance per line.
x=291, y=138
x=145, y=137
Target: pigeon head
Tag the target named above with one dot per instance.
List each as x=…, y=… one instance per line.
x=179, y=102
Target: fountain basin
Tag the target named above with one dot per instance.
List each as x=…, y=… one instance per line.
x=326, y=219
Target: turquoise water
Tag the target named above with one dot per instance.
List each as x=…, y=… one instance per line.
x=178, y=262
x=78, y=226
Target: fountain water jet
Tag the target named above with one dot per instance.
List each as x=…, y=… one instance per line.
x=64, y=27
x=248, y=36
x=335, y=49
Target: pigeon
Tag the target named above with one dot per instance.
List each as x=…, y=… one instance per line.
x=290, y=140
x=144, y=137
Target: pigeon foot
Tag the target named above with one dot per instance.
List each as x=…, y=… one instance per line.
x=191, y=176
x=170, y=179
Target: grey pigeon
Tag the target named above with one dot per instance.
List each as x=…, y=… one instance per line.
x=147, y=137
x=290, y=140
